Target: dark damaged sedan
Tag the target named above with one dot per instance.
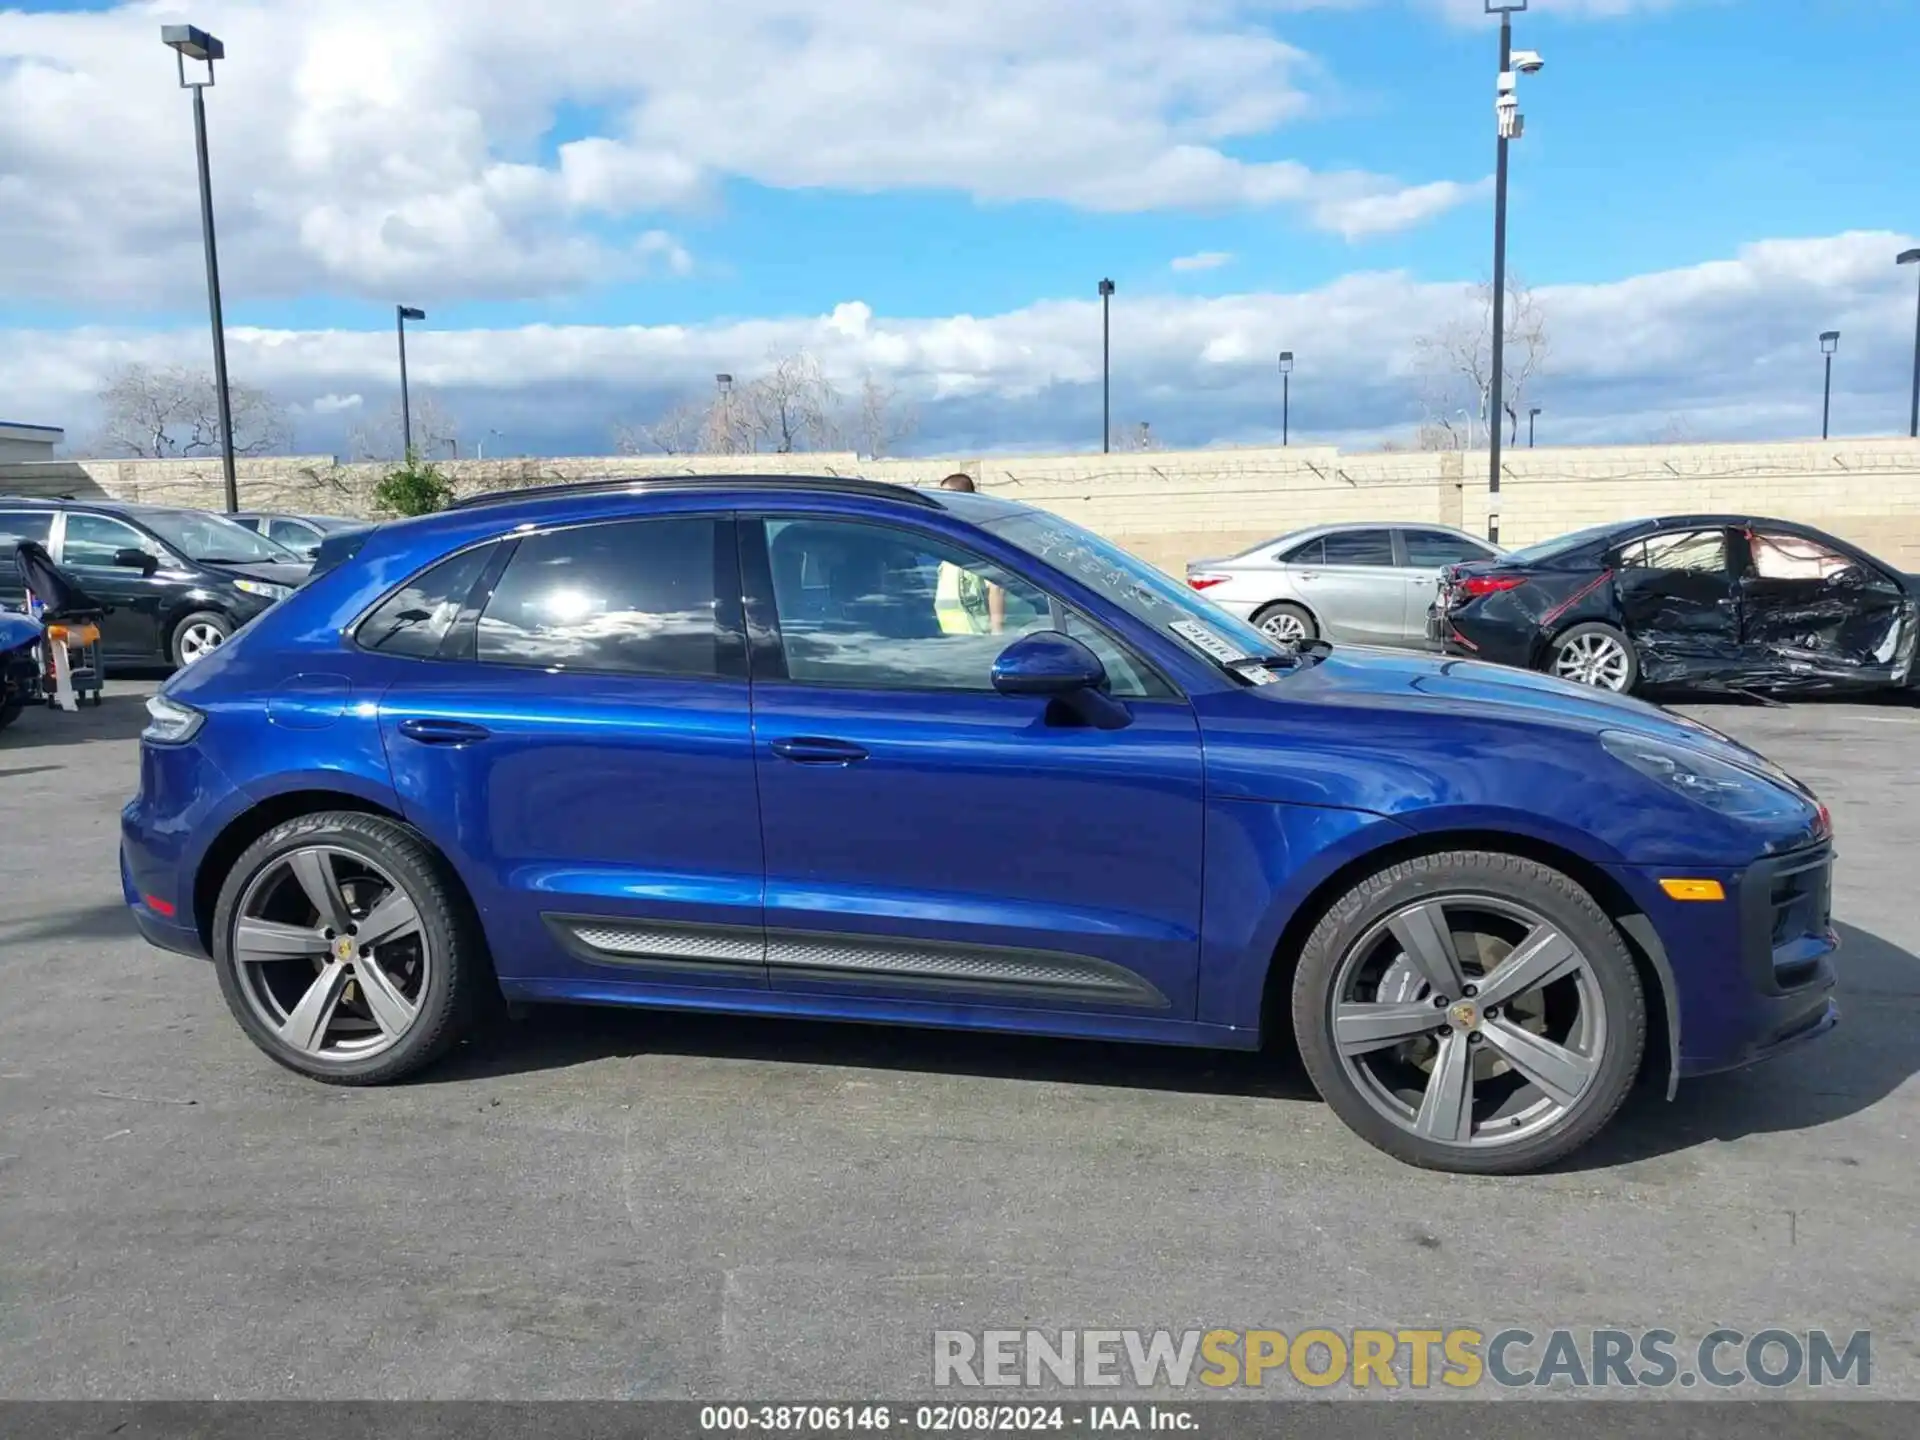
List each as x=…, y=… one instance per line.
x=1715, y=602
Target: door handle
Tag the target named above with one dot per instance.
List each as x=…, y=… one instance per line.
x=443, y=732
x=815, y=750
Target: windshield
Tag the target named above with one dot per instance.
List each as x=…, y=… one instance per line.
x=216, y=540
x=1563, y=545
x=1149, y=595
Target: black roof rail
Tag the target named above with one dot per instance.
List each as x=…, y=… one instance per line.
x=644, y=484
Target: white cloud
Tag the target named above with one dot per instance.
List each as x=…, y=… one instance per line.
x=1724, y=349
x=1205, y=260
x=335, y=404
x=368, y=146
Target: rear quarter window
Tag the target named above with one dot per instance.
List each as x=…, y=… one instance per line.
x=414, y=619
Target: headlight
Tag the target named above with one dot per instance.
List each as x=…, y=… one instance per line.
x=265, y=588
x=169, y=722
x=1708, y=780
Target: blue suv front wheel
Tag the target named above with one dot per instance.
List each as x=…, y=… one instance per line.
x=1470, y=1011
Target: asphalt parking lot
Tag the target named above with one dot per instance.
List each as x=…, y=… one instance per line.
x=627, y=1205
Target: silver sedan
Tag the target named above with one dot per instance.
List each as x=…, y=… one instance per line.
x=1363, y=584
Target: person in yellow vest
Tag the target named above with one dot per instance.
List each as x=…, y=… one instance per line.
x=968, y=604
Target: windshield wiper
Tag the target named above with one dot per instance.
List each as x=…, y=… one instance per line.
x=1307, y=651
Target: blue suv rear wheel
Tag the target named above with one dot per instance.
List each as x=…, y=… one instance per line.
x=345, y=949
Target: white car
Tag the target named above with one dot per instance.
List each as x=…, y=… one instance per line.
x=1363, y=584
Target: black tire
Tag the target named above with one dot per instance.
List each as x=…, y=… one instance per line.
x=10, y=711
x=460, y=989
x=1594, y=630
x=187, y=627
x=1468, y=873
x=1299, y=614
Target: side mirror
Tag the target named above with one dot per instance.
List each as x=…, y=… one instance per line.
x=1064, y=671
x=133, y=559
x=1047, y=663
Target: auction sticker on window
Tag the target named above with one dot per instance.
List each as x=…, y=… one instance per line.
x=1209, y=642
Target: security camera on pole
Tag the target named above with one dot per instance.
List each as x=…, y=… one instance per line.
x=1512, y=125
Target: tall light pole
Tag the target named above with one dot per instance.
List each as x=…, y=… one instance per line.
x=1532, y=415
x=1829, y=342
x=723, y=382
x=1511, y=125
x=1286, y=394
x=402, y=314
x=1912, y=257
x=1106, y=367
x=191, y=43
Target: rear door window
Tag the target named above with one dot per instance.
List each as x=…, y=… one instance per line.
x=634, y=597
x=18, y=525
x=1681, y=551
x=1314, y=552
x=1431, y=549
x=1359, y=547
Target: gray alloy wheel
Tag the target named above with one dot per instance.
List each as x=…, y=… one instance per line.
x=1287, y=623
x=344, y=980
x=1472, y=1012
x=199, y=635
x=345, y=949
x=1596, y=655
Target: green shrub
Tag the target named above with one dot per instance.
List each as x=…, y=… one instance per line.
x=416, y=488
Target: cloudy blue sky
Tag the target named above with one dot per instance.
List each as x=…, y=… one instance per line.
x=600, y=206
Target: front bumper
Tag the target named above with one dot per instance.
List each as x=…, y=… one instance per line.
x=1752, y=975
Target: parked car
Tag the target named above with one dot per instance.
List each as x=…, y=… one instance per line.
x=771, y=745
x=1367, y=584
x=179, y=582
x=301, y=534
x=1730, y=602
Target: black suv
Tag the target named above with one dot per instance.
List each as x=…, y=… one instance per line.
x=179, y=581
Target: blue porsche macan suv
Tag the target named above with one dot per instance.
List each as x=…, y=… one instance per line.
x=846, y=750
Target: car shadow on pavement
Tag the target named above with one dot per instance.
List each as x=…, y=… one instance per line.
x=1874, y=1051
x=557, y=1036
x=119, y=716
x=112, y=921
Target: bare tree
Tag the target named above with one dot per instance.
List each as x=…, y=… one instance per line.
x=882, y=419
x=1455, y=363
x=1143, y=438
x=682, y=430
x=791, y=407
x=173, y=411
x=436, y=431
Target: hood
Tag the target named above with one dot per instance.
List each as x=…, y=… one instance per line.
x=1409, y=681
x=274, y=574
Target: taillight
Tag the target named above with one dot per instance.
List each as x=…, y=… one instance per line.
x=1207, y=582
x=1474, y=586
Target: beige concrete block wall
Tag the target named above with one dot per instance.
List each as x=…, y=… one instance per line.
x=1176, y=506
